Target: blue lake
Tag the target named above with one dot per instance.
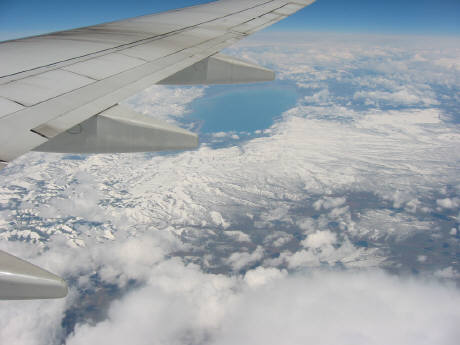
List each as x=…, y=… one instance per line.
x=242, y=108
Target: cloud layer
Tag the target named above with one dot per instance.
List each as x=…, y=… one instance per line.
x=182, y=305
x=282, y=235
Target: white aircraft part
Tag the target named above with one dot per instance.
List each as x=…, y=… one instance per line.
x=62, y=79
x=103, y=67
x=22, y=280
x=119, y=129
x=289, y=9
x=8, y=107
x=42, y=87
x=59, y=92
x=220, y=69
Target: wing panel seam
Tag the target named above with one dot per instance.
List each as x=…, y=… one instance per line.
x=131, y=69
x=129, y=45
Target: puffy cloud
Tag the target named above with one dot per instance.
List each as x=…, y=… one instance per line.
x=32, y=322
x=320, y=97
x=238, y=236
x=320, y=239
x=218, y=220
x=180, y=305
x=375, y=224
x=184, y=306
x=421, y=258
x=263, y=276
x=344, y=309
x=323, y=253
x=239, y=260
x=278, y=238
x=447, y=273
x=449, y=63
x=165, y=103
x=328, y=203
x=401, y=96
x=448, y=203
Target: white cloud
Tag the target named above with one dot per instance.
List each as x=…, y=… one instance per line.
x=239, y=260
x=421, y=258
x=447, y=273
x=449, y=63
x=32, y=322
x=278, y=238
x=269, y=307
x=180, y=305
x=324, y=253
x=338, y=212
x=220, y=134
x=375, y=224
x=328, y=203
x=218, y=220
x=320, y=97
x=238, y=236
x=320, y=239
x=401, y=96
x=343, y=309
x=263, y=276
x=448, y=203
x=163, y=102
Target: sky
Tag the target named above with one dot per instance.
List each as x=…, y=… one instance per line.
x=338, y=224
x=442, y=17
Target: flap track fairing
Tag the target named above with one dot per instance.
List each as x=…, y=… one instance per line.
x=220, y=69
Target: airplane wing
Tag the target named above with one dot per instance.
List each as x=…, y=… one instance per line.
x=59, y=92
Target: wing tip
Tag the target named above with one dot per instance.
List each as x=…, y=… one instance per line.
x=21, y=280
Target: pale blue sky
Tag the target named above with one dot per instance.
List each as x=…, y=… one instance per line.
x=21, y=18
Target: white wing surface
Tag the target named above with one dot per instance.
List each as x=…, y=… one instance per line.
x=52, y=83
x=60, y=92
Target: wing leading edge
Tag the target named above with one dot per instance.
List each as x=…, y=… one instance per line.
x=60, y=92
